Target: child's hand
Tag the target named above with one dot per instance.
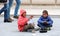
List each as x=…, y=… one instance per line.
x=30, y=17
x=45, y=22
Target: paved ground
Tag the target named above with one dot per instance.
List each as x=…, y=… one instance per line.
x=10, y=29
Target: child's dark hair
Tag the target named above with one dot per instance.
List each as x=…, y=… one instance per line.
x=45, y=11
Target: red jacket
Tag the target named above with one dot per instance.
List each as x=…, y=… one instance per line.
x=22, y=21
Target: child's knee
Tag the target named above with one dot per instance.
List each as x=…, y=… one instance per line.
x=31, y=26
x=50, y=26
x=38, y=25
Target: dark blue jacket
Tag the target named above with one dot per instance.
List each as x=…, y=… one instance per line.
x=48, y=19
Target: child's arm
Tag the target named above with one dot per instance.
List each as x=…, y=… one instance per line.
x=30, y=18
x=22, y=22
x=40, y=20
x=50, y=21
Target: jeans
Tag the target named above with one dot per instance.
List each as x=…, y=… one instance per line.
x=4, y=9
x=16, y=8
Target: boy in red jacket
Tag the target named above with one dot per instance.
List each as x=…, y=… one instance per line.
x=22, y=22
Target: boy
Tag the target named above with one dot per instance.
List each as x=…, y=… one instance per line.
x=45, y=21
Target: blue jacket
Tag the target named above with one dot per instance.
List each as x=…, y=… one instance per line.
x=48, y=19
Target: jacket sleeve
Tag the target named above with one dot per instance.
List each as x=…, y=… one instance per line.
x=50, y=21
x=22, y=22
x=40, y=20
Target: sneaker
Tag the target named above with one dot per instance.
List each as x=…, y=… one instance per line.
x=43, y=30
x=7, y=20
x=11, y=19
x=16, y=17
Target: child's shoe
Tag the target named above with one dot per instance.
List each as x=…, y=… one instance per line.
x=43, y=31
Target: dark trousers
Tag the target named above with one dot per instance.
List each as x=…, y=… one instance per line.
x=43, y=25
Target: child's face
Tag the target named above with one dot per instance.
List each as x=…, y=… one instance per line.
x=44, y=15
x=24, y=14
